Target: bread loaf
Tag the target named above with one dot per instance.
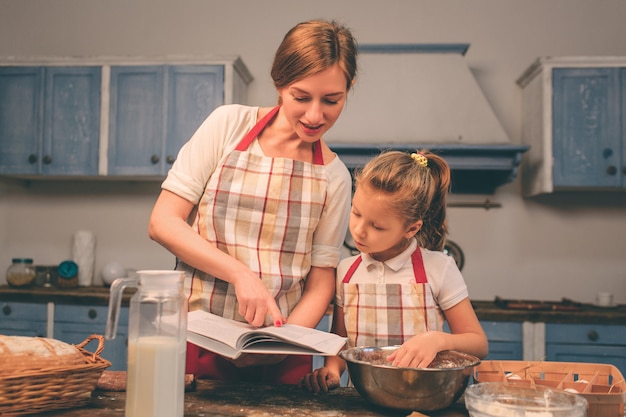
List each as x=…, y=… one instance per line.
x=31, y=353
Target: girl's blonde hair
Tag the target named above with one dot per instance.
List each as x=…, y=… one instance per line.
x=311, y=47
x=416, y=186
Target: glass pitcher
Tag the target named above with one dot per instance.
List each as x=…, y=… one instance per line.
x=157, y=328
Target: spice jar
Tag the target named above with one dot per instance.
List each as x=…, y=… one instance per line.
x=21, y=272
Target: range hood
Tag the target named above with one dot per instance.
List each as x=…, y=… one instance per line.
x=424, y=96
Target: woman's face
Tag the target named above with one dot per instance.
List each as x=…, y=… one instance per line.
x=313, y=104
x=375, y=227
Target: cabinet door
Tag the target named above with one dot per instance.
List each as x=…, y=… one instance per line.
x=137, y=120
x=622, y=72
x=586, y=137
x=73, y=324
x=21, y=118
x=49, y=120
x=505, y=340
x=71, y=121
x=194, y=92
x=23, y=319
x=155, y=110
x=591, y=343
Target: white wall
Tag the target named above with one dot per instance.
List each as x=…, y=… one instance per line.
x=545, y=248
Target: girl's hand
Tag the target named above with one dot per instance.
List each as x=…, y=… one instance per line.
x=417, y=352
x=255, y=301
x=320, y=380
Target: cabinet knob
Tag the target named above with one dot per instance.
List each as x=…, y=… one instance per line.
x=592, y=335
x=32, y=158
x=6, y=310
x=611, y=170
x=47, y=160
x=155, y=159
x=624, y=170
x=170, y=160
x=92, y=314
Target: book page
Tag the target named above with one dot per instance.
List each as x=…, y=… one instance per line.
x=313, y=339
x=216, y=327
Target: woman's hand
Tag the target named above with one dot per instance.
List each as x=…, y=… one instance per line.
x=255, y=300
x=255, y=359
x=320, y=380
x=419, y=351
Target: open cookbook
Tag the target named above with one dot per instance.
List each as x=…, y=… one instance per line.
x=231, y=338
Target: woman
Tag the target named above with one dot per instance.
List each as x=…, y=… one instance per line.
x=256, y=205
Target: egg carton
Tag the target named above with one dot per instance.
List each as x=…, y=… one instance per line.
x=601, y=384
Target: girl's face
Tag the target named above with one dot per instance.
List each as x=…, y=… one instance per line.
x=376, y=228
x=313, y=105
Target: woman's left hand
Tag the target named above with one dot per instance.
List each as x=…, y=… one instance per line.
x=417, y=352
x=255, y=359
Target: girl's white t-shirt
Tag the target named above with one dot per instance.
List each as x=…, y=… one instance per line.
x=444, y=277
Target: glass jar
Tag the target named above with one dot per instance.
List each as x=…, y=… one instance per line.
x=21, y=272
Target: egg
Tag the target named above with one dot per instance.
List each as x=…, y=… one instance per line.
x=112, y=271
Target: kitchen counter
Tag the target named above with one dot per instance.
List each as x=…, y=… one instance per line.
x=213, y=398
x=485, y=310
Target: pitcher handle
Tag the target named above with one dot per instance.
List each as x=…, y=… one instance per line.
x=115, y=303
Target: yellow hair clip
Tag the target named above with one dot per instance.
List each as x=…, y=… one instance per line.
x=420, y=159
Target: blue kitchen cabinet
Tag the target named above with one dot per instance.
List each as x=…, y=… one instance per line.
x=505, y=340
x=592, y=343
x=23, y=319
x=587, y=138
x=574, y=114
x=154, y=110
x=74, y=323
x=49, y=120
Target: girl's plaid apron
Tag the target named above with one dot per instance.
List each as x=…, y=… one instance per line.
x=262, y=211
x=389, y=314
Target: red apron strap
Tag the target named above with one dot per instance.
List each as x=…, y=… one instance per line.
x=254, y=132
x=351, y=270
x=318, y=157
x=418, y=267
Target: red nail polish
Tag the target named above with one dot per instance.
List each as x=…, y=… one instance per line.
x=277, y=323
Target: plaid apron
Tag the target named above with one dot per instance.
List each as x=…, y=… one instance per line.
x=389, y=314
x=262, y=211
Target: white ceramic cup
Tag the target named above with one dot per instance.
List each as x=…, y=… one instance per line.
x=604, y=299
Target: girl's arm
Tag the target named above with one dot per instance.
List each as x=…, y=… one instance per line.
x=329, y=376
x=466, y=335
x=319, y=289
x=168, y=226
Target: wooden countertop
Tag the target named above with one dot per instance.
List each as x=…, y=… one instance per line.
x=213, y=398
x=485, y=310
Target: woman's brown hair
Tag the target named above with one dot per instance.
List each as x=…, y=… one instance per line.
x=311, y=47
x=416, y=186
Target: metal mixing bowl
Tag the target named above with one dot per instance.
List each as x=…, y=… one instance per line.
x=408, y=389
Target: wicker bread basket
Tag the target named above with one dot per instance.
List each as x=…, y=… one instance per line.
x=53, y=387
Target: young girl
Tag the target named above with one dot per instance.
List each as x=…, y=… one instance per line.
x=401, y=287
